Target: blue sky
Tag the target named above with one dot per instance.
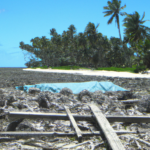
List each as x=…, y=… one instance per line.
x=22, y=20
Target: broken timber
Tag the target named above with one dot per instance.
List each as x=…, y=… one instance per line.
x=130, y=101
x=108, y=131
x=106, y=128
x=63, y=116
x=74, y=124
x=59, y=134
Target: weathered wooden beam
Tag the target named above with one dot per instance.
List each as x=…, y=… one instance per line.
x=129, y=119
x=112, y=138
x=53, y=116
x=74, y=124
x=58, y=134
x=130, y=101
x=62, y=116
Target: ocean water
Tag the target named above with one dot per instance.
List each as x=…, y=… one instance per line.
x=13, y=67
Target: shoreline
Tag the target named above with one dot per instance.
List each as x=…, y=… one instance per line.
x=93, y=73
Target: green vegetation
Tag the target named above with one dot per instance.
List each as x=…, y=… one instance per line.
x=134, y=69
x=118, y=69
x=43, y=67
x=114, y=9
x=91, y=49
x=73, y=138
x=67, y=67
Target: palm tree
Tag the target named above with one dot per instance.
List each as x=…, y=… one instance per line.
x=91, y=33
x=135, y=30
x=136, y=34
x=114, y=9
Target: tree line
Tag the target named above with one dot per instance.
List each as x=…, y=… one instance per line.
x=91, y=48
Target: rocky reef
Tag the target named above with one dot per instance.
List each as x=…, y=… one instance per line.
x=110, y=103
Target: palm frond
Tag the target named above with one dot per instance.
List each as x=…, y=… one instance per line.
x=143, y=16
x=109, y=3
x=111, y=19
x=123, y=13
x=106, y=7
x=123, y=7
x=97, y=25
x=144, y=21
x=107, y=13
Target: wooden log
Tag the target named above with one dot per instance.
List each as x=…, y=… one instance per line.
x=53, y=116
x=112, y=138
x=74, y=124
x=129, y=119
x=59, y=134
x=5, y=139
x=62, y=116
x=130, y=101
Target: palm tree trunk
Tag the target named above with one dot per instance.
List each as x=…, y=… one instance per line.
x=119, y=33
x=121, y=42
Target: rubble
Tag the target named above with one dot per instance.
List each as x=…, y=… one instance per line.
x=47, y=102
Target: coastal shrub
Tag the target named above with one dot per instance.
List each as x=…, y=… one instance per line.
x=67, y=67
x=140, y=68
x=33, y=63
x=44, y=67
x=117, y=69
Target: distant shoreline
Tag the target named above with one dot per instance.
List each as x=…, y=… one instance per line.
x=13, y=67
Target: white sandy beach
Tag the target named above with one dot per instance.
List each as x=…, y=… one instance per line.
x=93, y=72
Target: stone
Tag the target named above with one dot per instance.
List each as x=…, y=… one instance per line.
x=66, y=91
x=2, y=103
x=34, y=90
x=144, y=104
x=12, y=126
x=120, y=95
x=43, y=101
x=84, y=93
x=98, y=97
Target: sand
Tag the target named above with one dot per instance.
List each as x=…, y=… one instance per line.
x=93, y=72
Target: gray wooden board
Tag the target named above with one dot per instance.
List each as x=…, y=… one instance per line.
x=108, y=131
x=62, y=116
x=59, y=134
x=74, y=124
x=130, y=101
x=53, y=116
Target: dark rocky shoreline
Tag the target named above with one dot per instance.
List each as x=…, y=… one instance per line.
x=109, y=103
x=11, y=77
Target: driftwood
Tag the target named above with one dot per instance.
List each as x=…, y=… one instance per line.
x=74, y=146
x=97, y=145
x=130, y=101
x=53, y=116
x=138, y=145
x=74, y=124
x=40, y=145
x=62, y=116
x=109, y=133
x=129, y=119
x=5, y=139
x=144, y=142
x=59, y=134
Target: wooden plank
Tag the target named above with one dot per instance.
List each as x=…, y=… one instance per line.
x=130, y=101
x=108, y=131
x=129, y=119
x=52, y=116
x=62, y=116
x=59, y=134
x=49, y=134
x=74, y=124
